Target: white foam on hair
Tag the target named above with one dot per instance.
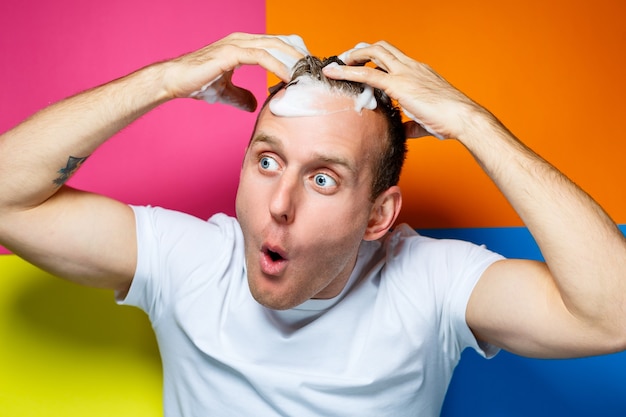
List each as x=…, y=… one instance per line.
x=301, y=99
x=365, y=100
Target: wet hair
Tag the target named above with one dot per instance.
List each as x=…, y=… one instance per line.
x=388, y=162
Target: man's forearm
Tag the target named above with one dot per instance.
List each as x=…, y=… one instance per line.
x=39, y=155
x=584, y=249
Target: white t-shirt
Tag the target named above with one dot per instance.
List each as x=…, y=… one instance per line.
x=386, y=346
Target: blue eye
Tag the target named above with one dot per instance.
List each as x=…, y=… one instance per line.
x=268, y=163
x=324, y=181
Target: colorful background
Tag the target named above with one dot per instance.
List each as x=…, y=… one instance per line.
x=553, y=72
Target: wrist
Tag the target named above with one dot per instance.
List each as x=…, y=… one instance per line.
x=155, y=81
x=477, y=125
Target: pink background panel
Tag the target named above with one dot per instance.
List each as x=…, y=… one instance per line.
x=184, y=155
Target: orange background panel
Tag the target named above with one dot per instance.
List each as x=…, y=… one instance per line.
x=553, y=72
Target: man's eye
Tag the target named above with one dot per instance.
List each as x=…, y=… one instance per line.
x=268, y=164
x=324, y=181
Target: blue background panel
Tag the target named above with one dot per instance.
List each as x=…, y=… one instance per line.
x=513, y=386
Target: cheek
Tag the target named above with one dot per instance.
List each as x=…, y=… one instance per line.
x=347, y=213
x=247, y=193
x=337, y=227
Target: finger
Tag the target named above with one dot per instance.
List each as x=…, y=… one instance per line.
x=235, y=96
x=345, y=56
x=238, y=97
x=293, y=50
x=397, y=53
x=414, y=130
x=377, y=53
x=222, y=90
x=367, y=75
x=291, y=44
x=254, y=56
x=295, y=41
x=277, y=54
x=287, y=49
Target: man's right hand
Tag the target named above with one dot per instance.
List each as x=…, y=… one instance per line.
x=207, y=73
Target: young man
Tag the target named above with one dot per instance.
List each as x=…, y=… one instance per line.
x=306, y=304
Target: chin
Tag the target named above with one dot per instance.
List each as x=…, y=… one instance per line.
x=273, y=301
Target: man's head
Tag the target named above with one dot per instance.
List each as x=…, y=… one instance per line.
x=318, y=178
x=387, y=167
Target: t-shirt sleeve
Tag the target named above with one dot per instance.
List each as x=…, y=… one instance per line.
x=144, y=290
x=444, y=273
x=465, y=267
x=170, y=246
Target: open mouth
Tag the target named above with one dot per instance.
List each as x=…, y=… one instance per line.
x=274, y=256
x=274, y=253
x=273, y=261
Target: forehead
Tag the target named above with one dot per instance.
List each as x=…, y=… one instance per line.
x=313, y=114
x=306, y=96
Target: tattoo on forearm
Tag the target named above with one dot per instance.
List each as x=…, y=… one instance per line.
x=73, y=164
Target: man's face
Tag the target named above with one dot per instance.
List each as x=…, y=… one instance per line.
x=303, y=200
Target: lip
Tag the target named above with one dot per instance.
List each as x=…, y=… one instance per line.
x=270, y=265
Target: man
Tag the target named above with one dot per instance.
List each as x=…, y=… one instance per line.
x=307, y=304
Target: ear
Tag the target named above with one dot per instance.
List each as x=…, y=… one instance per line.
x=384, y=213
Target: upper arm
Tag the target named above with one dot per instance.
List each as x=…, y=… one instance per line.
x=516, y=305
x=86, y=238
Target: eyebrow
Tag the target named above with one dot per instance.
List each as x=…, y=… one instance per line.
x=263, y=138
x=327, y=159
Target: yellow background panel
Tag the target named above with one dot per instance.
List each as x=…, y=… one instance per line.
x=72, y=351
x=553, y=72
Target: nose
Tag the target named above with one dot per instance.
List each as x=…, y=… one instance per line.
x=284, y=198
